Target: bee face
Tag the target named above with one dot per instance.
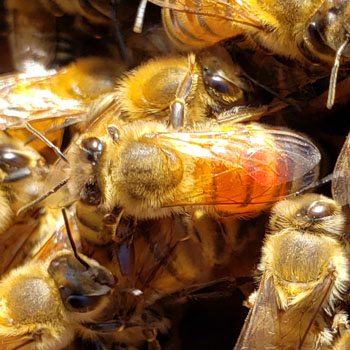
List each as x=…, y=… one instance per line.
x=312, y=213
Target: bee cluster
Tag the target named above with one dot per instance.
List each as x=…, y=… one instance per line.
x=144, y=150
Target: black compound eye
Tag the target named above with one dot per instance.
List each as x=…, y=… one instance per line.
x=218, y=84
x=81, y=303
x=319, y=210
x=93, y=148
x=10, y=159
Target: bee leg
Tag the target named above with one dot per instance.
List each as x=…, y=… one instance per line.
x=178, y=106
x=340, y=323
x=240, y=114
x=124, y=248
x=151, y=337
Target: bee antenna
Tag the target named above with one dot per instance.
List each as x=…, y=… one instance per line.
x=40, y=136
x=314, y=185
x=121, y=44
x=33, y=203
x=140, y=16
x=71, y=240
x=273, y=93
x=334, y=73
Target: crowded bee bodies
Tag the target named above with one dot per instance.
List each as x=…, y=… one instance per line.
x=304, y=276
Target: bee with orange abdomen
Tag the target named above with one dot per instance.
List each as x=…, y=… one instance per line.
x=308, y=31
x=304, y=275
x=152, y=172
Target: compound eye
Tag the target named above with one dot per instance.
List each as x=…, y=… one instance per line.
x=319, y=210
x=218, y=84
x=10, y=159
x=81, y=303
x=93, y=148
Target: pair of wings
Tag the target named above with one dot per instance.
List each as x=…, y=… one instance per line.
x=273, y=162
x=269, y=327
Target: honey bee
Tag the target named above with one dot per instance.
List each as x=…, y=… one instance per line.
x=151, y=172
x=47, y=34
x=23, y=174
x=41, y=306
x=304, y=275
x=80, y=297
x=49, y=102
x=193, y=89
x=309, y=32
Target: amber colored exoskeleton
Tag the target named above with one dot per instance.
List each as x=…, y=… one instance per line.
x=150, y=171
x=307, y=31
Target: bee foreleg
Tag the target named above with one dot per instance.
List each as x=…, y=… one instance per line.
x=178, y=106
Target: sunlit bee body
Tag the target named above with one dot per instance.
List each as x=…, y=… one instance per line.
x=304, y=275
x=43, y=302
x=306, y=31
x=52, y=100
x=152, y=172
x=195, y=87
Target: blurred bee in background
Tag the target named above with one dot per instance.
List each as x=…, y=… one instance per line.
x=49, y=102
x=49, y=34
x=311, y=32
x=23, y=175
x=304, y=276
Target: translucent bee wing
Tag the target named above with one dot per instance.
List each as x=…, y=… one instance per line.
x=16, y=342
x=24, y=98
x=231, y=10
x=12, y=241
x=243, y=164
x=341, y=175
x=269, y=327
x=261, y=327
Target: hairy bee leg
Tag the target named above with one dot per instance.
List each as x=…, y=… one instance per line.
x=178, y=106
